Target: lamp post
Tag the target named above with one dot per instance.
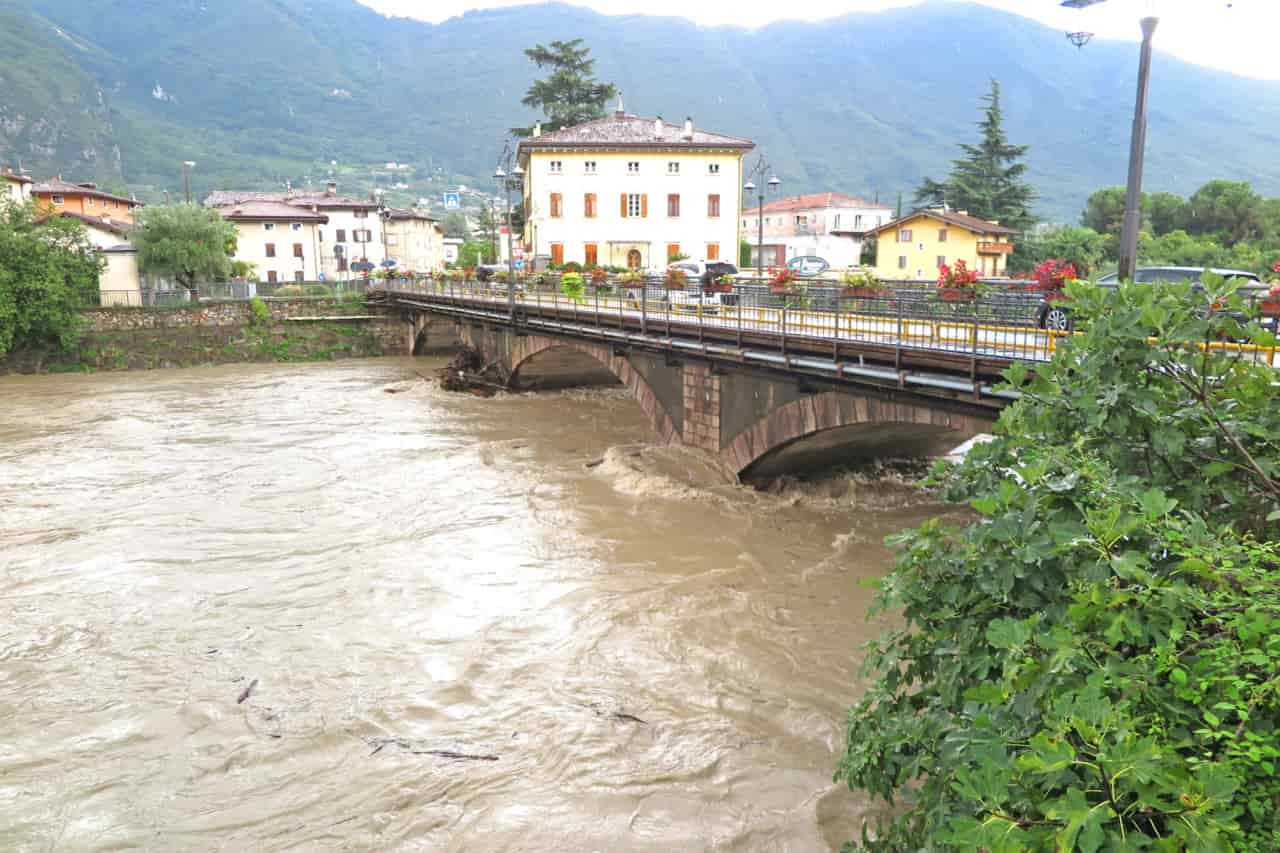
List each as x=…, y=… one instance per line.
x=773, y=183
x=187, y=166
x=508, y=182
x=1137, y=151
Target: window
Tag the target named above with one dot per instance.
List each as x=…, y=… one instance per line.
x=89, y=202
x=673, y=204
x=589, y=205
x=902, y=262
x=362, y=214
x=57, y=199
x=362, y=235
x=557, y=253
x=673, y=251
x=633, y=167
x=802, y=220
x=713, y=168
x=342, y=264
x=591, y=254
x=557, y=166
x=271, y=250
x=272, y=277
x=634, y=204
x=589, y=167
x=942, y=235
x=320, y=234
x=268, y=226
x=295, y=226
x=713, y=251
x=673, y=168
x=836, y=224
x=942, y=261
x=299, y=275
x=713, y=205
x=904, y=235
x=297, y=250
x=342, y=235
x=557, y=205
x=857, y=222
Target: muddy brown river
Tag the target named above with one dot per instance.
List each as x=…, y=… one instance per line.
x=279, y=608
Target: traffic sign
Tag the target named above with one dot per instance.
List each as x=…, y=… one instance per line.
x=517, y=252
x=452, y=201
x=519, y=263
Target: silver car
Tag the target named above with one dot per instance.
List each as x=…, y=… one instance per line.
x=1057, y=318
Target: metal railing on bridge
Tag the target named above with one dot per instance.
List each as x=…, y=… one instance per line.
x=994, y=322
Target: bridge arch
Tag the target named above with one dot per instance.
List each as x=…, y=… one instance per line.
x=529, y=350
x=835, y=424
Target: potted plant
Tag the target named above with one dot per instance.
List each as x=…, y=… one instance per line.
x=861, y=284
x=631, y=277
x=1051, y=277
x=1271, y=302
x=571, y=285
x=957, y=283
x=675, y=279
x=782, y=282
x=722, y=284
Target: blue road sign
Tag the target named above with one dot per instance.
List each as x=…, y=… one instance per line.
x=452, y=201
x=519, y=264
x=320, y=277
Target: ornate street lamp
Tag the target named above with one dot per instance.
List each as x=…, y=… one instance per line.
x=750, y=187
x=514, y=180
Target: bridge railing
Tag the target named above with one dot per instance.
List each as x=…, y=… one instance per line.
x=991, y=323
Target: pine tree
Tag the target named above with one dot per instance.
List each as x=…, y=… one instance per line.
x=571, y=94
x=988, y=180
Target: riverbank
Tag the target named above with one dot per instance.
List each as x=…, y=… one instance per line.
x=269, y=330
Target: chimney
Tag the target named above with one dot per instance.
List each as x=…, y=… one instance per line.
x=331, y=188
x=621, y=111
x=537, y=129
x=688, y=129
x=658, y=127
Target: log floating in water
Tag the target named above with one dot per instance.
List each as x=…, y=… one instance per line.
x=244, y=694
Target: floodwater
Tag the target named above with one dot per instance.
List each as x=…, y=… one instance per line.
x=280, y=608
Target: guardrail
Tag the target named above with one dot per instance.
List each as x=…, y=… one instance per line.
x=998, y=324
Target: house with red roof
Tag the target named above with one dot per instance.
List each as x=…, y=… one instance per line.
x=827, y=225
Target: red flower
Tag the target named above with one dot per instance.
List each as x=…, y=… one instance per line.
x=1276, y=268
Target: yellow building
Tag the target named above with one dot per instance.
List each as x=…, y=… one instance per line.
x=633, y=192
x=914, y=246
x=414, y=240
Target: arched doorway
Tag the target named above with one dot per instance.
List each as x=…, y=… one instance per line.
x=634, y=259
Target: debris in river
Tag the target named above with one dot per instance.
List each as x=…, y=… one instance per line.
x=467, y=371
x=595, y=464
x=629, y=718
x=244, y=694
x=380, y=743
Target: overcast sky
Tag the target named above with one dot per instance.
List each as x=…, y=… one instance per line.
x=1238, y=36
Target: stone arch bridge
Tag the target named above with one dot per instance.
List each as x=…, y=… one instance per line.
x=761, y=420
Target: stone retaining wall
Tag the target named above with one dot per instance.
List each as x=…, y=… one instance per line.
x=222, y=333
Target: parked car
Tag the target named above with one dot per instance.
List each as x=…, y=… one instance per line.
x=808, y=266
x=1056, y=317
x=700, y=275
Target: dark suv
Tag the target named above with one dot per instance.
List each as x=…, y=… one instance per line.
x=1055, y=317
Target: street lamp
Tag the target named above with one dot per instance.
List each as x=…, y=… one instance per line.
x=750, y=186
x=1137, y=151
x=508, y=182
x=187, y=166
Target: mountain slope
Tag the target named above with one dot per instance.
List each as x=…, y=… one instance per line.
x=260, y=91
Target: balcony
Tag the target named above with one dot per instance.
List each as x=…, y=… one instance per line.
x=995, y=248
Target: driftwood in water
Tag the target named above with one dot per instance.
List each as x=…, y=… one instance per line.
x=244, y=694
x=467, y=371
x=380, y=743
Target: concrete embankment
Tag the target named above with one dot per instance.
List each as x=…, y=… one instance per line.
x=223, y=333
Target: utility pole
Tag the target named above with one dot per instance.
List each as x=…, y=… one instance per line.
x=1137, y=151
x=186, y=178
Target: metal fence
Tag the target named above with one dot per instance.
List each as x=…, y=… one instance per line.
x=230, y=291
x=999, y=322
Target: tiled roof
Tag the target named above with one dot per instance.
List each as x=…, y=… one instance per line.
x=397, y=214
x=16, y=179
x=817, y=201
x=270, y=211
x=64, y=188
x=622, y=130
x=121, y=229
x=951, y=217
x=322, y=200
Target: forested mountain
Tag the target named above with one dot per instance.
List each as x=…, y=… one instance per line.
x=263, y=91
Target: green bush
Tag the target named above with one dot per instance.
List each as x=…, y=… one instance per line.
x=1093, y=664
x=572, y=286
x=258, y=313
